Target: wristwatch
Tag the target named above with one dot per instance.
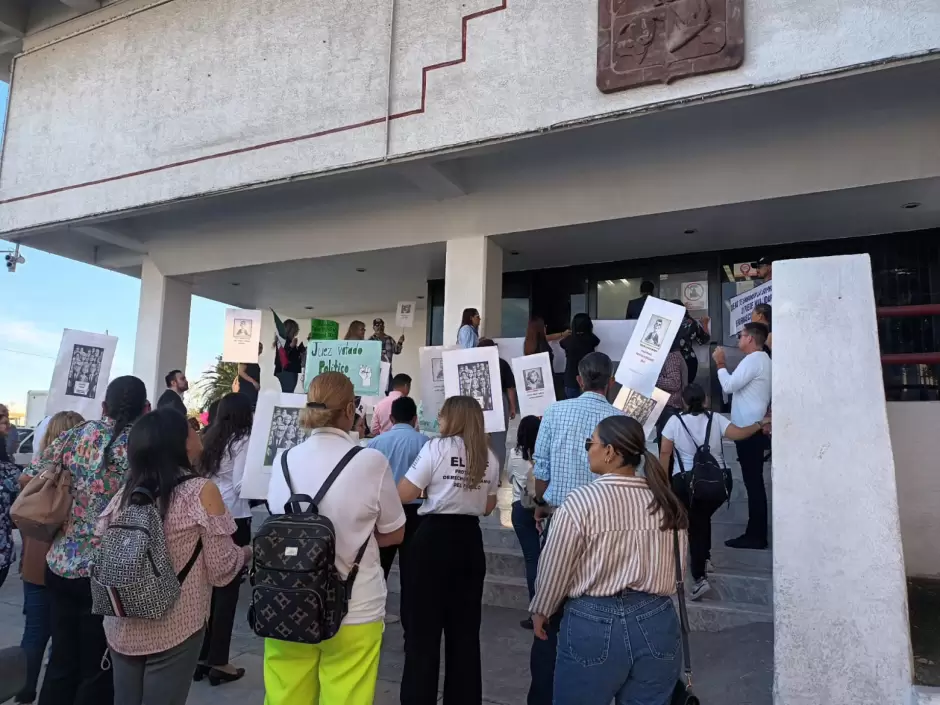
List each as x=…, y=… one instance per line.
x=540, y=502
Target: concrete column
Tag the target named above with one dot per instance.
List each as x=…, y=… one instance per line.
x=162, y=328
x=473, y=278
x=841, y=631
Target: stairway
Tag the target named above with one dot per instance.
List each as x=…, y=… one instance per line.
x=742, y=589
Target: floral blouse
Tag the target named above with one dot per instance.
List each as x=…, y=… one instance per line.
x=94, y=482
x=9, y=489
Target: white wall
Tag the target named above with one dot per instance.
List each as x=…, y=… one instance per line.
x=207, y=95
x=914, y=427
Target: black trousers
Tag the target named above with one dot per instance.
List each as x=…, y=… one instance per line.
x=692, y=365
x=751, y=456
x=387, y=554
x=74, y=675
x=218, y=639
x=444, y=588
x=700, y=535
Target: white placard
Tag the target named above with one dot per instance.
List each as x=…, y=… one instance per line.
x=242, y=335
x=743, y=305
x=405, y=314
x=649, y=345
x=534, y=385
x=431, y=363
x=695, y=295
x=276, y=426
x=614, y=337
x=81, y=373
x=511, y=348
x=474, y=372
x=367, y=404
x=646, y=410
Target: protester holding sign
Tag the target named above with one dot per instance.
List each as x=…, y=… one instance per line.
x=289, y=357
x=390, y=348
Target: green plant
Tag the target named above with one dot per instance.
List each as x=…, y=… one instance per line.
x=217, y=381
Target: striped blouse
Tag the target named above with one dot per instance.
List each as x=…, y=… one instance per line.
x=602, y=541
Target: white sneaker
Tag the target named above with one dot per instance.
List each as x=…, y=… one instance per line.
x=700, y=588
x=392, y=618
x=709, y=566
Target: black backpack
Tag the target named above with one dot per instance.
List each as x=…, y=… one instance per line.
x=297, y=593
x=707, y=481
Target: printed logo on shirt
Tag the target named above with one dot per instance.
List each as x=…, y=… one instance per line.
x=461, y=477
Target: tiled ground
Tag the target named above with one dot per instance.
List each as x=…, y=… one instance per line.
x=731, y=667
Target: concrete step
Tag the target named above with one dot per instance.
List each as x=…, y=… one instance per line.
x=737, y=559
x=740, y=587
x=715, y=616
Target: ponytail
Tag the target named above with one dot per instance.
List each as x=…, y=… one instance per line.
x=664, y=499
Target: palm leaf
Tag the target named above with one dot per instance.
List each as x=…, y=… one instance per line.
x=217, y=381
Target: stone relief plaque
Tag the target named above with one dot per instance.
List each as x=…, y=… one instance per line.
x=656, y=41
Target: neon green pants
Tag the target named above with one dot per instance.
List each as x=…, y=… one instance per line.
x=342, y=670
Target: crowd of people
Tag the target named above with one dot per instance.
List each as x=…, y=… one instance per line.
x=596, y=509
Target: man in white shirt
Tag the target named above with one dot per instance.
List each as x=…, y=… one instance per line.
x=750, y=387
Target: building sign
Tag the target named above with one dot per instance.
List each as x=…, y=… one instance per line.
x=695, y=296
x=360, y=360
x=657, y=41
x=742, y=306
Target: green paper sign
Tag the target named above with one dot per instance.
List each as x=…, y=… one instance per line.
x=323, y=330
x=360, y=360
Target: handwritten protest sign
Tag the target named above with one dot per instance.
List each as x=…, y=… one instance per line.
x=360, y=360
x=742, y=306
x=323, y=330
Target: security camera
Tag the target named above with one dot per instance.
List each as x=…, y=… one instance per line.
x=14, y=258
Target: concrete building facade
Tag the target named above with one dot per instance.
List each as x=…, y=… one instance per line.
x=330, y=159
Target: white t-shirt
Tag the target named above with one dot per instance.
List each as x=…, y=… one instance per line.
x=229, y=479
x=520, y=472
x=685, y=446
x=441, y=469
x=362, y=499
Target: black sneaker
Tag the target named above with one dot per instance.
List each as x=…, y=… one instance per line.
x=746, y=542
x=526, y=623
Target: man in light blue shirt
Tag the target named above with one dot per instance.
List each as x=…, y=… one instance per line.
x=561, y=463
x=401, y=445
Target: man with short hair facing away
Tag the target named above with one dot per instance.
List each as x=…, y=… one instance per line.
x=176, y=386
x=763, y=313
x=561, y=466
x=750, y=385
x=400, y=444
x=382, y=414
x=635, y=306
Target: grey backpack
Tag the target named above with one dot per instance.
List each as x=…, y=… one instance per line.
x=132, y=575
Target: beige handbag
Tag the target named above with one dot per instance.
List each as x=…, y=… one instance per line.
x=45, y=504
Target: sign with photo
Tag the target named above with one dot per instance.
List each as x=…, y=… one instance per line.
x=534, y=385
x=652, y=338
x=474, y=372
x=360, y=360
x=81, y=373
x=646, y=410
x=695, y=295
x=405, y=314
x=276, y=427
x=242, y=335
x=743, y=305
x=431, y=363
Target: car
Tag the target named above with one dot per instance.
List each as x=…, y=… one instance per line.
x=24, y=449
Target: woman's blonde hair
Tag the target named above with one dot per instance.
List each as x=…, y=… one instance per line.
x=330, y=394
x=352, y=328
x=462, y=417
x=59, y=424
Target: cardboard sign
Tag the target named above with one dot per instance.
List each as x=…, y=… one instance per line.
x=534, y=386
x=474, y=372
x=742, y=306
x=367, y=404
x=323, y=330
x=511, y=348
x=360, y=360
x=276, y=426
x=405, y=314
x=614, y=337
x=242, y=335
x=81, y=373
x=431, y=362
x=646, y=410
x=695, y=295
x=649, y=345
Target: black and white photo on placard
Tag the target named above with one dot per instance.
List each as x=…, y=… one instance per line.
x=285, y=432
x=533, y=379
x=242, y=328
x=475, y=382
x=437, y=369
x=655, y=332
x=84, y=371
x=638, y=407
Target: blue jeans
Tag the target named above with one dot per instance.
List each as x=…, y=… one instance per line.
x=523, y=521
x=36, y=633
x=624, y=648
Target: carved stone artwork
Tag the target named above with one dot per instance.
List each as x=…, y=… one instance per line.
x=656, y=41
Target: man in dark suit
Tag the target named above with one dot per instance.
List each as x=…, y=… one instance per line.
x=176, y=386
x=635, y=306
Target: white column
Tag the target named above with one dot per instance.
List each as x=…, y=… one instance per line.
x=162, y=328
x=841, y=631
x=473, y=278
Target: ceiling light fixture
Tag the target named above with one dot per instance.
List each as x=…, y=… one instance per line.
x=236, y=284
x=514, y=252
x=690, y=231
x=309, y=308
x=360, y=269
x=419, y=297
x=911, y=205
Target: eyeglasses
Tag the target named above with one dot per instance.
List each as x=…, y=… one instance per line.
x=588, y=442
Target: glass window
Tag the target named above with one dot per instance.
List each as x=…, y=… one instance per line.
x=515, y=317
x=613, y=295
x=437, y=325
